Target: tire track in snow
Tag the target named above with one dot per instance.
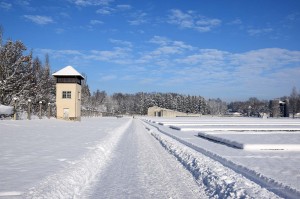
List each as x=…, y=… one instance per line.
x=74, y=180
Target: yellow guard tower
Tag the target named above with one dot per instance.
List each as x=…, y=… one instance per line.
x=68, y=93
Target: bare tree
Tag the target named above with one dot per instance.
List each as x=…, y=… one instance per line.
x=294, y=101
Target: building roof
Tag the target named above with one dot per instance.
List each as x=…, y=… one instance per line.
x=67, y=71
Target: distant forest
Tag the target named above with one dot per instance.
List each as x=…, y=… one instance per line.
x=24, y=77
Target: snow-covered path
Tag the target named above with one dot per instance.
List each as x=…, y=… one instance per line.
x=110, y=158
x=141, y=168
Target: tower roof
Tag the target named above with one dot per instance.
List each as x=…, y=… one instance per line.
x=67, y=71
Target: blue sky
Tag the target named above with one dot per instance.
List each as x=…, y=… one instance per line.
x=233, y=49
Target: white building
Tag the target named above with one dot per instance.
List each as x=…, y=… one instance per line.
x=156, y=111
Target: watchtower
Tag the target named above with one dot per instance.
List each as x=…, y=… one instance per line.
x=68, y=93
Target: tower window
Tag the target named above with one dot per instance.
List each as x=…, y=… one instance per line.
x=66, y=94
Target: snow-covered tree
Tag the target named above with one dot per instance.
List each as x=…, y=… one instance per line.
x=43, y=88
x=217, y=107
x=85, y=93
x=16, y=75
x=98, y=100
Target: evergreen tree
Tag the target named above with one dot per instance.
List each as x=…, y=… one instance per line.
x=85, y=93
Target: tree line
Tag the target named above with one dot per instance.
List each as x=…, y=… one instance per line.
x=24, y=78
x=138, y=103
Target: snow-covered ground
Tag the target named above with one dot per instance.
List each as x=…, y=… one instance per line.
x=278, y=170
x=129, y=158
x=35, y=155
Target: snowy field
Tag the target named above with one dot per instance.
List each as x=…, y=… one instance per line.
x=266, y=151
x=134, y=158
x=35, y=151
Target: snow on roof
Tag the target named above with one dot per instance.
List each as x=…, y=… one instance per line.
x=67, y=71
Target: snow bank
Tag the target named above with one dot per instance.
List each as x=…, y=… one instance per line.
x=75, y=179
x=219, y=181
x=7, y=110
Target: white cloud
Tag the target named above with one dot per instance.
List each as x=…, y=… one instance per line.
x=121, y=42
x=138, y=18
x=117, y=55
x=124, y=7
x=254, y=32
x=293, y=16
x=254, y=72
x=70, y=52
x=173, y=48
x=59, y=30
x=257, y=71
x=166, y=50
x=163, y=54
x=109, y=10
x=163, y=41
x=206, y=57
x=182, y=45
x=58, y=53
x=203, y=21
x=95, y=22
x=265, y=61
x=91, y=2
x=252, y=62
x=148, y=81
x=105, y=11
x=38, y=19
x=65, y=15
x=5, y=6
x=108, y=77
x=25, y=4
x=261, y=61
x=192, y=20
x=128, y=77
x=159, y=40
x=235, y=22
x=179, y=18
